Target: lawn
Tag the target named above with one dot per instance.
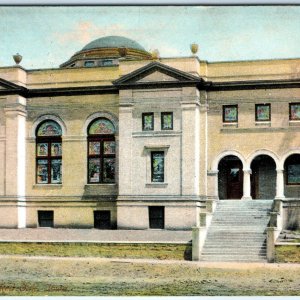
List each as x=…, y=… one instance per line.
x=39, y=276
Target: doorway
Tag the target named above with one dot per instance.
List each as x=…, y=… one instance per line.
x=230, y=180
x=263, y=177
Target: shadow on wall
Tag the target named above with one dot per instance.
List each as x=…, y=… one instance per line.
x=293, y=219
x=188, y=252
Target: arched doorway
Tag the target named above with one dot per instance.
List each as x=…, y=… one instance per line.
x=292, y=176
x=263, y=177
x=230, y=179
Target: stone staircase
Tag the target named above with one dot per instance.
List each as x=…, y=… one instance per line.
x=237, y=231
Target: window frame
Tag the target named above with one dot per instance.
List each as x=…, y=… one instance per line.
x=143, y=121
x=152, y=168
x=162, y=120
x=256, y=116
x=49, y=140
x=101, y=138
x=237, y=113
x=290, y=111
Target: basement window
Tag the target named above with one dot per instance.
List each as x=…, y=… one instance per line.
x=102, y=219
x=157, y=217
x=45, y=218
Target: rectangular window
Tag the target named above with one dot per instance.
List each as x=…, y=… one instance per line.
x=295, y=111
x=56, y=171
x=230, y=113
x=102, y=219
x=157, y=217
x=42, y=171
x=89, y=63
x=166, y=121
x=148, y=121
x=45, y=218
x=262, y=112
x=157, y=166
x=107, y=62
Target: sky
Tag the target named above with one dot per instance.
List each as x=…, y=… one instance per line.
x=48, y=36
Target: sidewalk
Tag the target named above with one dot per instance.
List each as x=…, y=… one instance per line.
x=94, y=235
x=196, y=264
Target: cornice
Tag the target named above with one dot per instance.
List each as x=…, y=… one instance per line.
x=208, y=86
x=250, y=85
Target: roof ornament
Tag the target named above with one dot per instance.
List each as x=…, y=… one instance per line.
x=155, y=54
x=122, y=51
x=17, y=58
x=194, y=48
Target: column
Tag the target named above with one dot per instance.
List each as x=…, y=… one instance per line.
x=279, y=184
x=247, y=185
x=15, y=170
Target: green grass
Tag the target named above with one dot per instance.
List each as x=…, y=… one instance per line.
x=287, y=254
x=157, y=251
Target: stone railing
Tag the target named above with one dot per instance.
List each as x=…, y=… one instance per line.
x=199, y=232
x=274, y=228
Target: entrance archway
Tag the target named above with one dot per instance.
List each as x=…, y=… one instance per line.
x=230, y=179
x=263, y=177
x=292, y=176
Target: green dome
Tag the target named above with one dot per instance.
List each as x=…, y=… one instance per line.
x=113, y=42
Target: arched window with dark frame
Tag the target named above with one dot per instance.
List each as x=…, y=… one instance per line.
x=101, y=151
x=48, y=153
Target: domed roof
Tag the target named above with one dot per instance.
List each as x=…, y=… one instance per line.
x=113, y=42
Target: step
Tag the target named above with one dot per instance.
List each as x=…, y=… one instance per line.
x=255, y=253
x=237, y=231
x=234, y=259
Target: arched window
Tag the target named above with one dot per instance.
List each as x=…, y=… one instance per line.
x=48, y=153
x=101, y=151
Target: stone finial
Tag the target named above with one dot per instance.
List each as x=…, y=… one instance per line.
x=17, y=58
x=194, y=48
x=155, y=54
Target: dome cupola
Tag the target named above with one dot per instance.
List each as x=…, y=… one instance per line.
x=107, y=51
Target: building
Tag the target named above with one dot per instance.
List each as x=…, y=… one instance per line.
x=117, y=137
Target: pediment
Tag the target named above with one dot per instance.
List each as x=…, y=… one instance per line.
x=157, y=76
x=156, y=72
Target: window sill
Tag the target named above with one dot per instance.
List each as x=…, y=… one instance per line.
x=47, y=186
x=100, y=184
x=233, y=124
x=294, y=123
x=263, y=123
x=157, y=185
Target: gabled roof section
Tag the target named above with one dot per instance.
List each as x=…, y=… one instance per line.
x=156, y=73
x=9, y=88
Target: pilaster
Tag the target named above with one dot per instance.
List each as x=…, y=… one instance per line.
x=190, y=142
x=125, y=144
x=15, y=151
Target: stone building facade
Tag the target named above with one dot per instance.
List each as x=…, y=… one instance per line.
x=118, y=138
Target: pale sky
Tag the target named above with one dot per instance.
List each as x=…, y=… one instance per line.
x=48, y=36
